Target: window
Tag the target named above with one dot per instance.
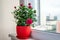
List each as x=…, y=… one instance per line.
x=48, y=13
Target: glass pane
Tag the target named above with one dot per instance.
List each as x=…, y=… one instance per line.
x=50, y=14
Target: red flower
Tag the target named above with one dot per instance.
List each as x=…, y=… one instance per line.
x=15, y=7
x=29, y=3
x=30, y=6
x=29, y=21
x=21, y=4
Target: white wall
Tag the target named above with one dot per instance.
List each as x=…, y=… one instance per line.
x=0, y=21
x=7, y=24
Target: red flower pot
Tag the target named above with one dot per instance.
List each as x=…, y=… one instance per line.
x=23, y=32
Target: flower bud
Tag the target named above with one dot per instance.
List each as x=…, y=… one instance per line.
x=34, y=11
x=15, y=7
x=29, y=3
x=21, y=4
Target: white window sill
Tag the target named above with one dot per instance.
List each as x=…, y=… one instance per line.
x=40, y=35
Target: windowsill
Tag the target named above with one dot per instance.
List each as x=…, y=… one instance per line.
x=40, y=35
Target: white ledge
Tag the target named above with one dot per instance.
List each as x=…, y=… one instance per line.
x=40, y=35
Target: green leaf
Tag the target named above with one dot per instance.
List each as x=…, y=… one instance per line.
x=23, y=13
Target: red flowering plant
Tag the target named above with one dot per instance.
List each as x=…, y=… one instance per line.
x=24, y=15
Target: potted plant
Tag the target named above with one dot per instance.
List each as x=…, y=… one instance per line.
x=25, y=17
